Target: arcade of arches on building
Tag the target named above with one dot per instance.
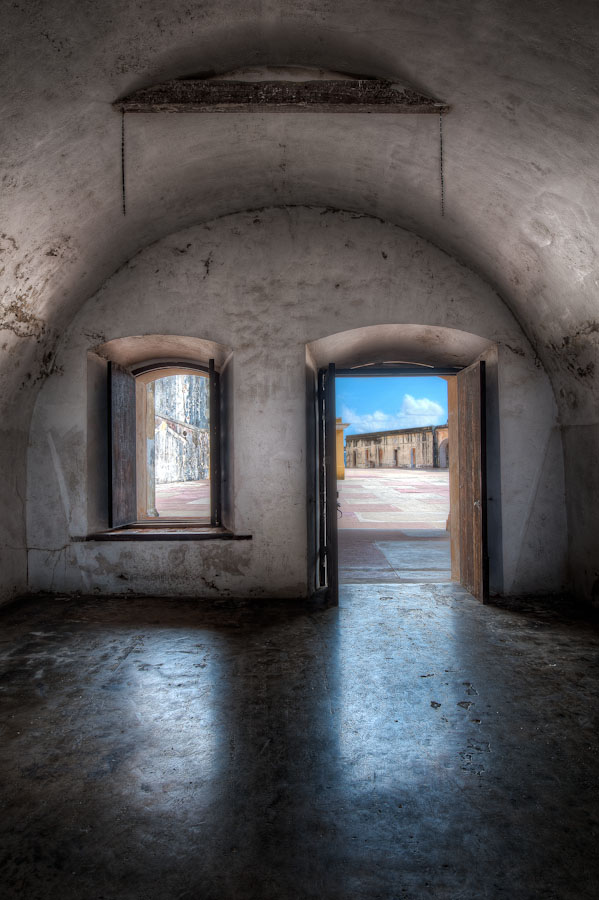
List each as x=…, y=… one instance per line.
x=427, y=446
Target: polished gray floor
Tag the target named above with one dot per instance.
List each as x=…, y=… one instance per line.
x=409, y=744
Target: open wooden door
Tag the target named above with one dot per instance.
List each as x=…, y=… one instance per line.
x=474, y=559
x=215, y=461
x=122, y=448
x=328, y=564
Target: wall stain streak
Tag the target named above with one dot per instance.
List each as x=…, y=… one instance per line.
x=21, y=321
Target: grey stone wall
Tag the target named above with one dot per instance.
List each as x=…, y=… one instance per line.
x=182, y=437
x=285, y=264
x=393, y=450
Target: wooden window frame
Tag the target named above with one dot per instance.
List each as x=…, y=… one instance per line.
x=127, y=431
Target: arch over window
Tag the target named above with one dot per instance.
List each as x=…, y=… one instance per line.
x=164, y=460
x=164, y=431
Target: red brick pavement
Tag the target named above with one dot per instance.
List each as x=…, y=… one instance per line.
x=392, y=526
x=187, y=499
x=394, y=498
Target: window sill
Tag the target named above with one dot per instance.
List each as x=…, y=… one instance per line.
x=167, y=533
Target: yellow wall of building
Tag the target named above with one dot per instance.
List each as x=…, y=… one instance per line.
x=340, y=459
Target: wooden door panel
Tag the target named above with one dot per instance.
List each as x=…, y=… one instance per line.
x=215, y=460
x=472, y=479
x=328, y=575
x=322, y=492
x=330, y=453
x=122, y=451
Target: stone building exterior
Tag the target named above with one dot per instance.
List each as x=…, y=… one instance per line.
x=182, y=435
x=405, y=448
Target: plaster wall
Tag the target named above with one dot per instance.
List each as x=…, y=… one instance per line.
x=266, y=284
x=521, y=175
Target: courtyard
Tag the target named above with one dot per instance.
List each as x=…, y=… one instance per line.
x=392, y=526
x=184, y=499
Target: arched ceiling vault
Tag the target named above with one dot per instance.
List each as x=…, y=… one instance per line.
x=520, y=149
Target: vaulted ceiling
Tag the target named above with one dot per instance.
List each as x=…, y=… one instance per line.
x=520, y=158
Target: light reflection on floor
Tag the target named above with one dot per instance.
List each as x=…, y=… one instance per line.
x=409, y=743
x=173, y=703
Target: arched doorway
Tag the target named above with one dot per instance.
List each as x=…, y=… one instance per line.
x=397, y=351
x=444, y=454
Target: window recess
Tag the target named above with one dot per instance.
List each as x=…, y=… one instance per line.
x=164, y=451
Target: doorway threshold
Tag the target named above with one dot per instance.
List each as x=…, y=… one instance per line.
x=385, y=556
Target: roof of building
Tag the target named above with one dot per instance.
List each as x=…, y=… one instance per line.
x=377, y=434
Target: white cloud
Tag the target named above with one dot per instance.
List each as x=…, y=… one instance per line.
x=412, y=414
x=428, y=412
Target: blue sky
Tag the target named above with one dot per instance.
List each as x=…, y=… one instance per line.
x=382, y=404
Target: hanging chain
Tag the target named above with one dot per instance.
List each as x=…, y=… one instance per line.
x=123, y=160
x=441, y=174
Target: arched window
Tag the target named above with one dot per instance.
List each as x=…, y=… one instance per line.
x=164, y=456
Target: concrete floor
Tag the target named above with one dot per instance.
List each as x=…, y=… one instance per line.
x=409, y=744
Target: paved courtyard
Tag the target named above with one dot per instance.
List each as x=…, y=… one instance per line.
x=392, y=526
x=394, y=498
x=188, y=499
x=392, y=523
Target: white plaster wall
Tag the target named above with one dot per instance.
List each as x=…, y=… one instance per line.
x=266, y=283
x=521, y=174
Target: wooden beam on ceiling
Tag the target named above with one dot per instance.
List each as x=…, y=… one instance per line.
x=335, y=96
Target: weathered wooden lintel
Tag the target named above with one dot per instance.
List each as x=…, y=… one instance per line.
x=335, y=96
